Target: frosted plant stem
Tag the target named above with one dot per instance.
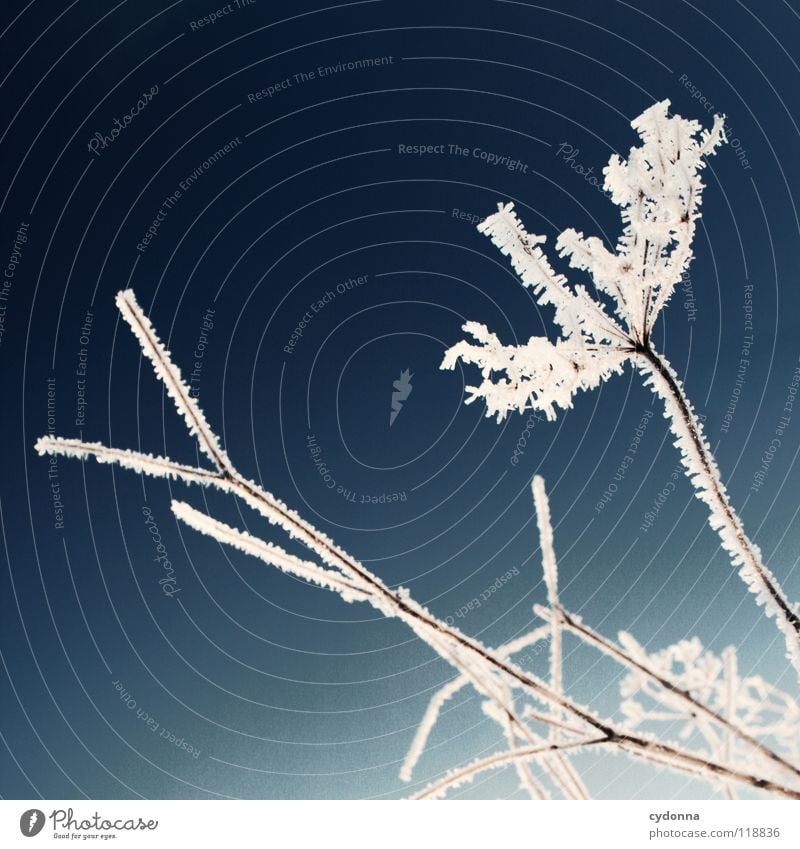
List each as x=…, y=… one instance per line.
x=616, y=652
x=457, y=777
x=550, y=571
x=271, y=554
x=485, y=682
x=514, y=731
x=731, y=684
x=654, y=752
x=514, y=728
x=530, y=713
x=704, y=474
x=700, y=766
x=447, y=691
x=528, y=781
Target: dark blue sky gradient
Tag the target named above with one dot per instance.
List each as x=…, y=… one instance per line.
x=285, y=690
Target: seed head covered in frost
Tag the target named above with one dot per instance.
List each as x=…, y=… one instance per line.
x=659, y=190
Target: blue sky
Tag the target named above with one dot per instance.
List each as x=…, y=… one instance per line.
x=293, y=198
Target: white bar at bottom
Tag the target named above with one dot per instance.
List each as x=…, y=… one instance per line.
x=402, y=825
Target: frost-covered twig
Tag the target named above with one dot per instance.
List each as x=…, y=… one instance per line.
x=569, y=787
x=631, y=656
x=495, y=676
x=429, y=720
x=729, y=660
x=550, y=569
x=515, y=733
x=659, y=192
x=531, y=713
x=702, y=470
x=169, y=374
x=655, y=753
x=457, y=777
x=145, y=464
x=445, y=693
x=348, y=589
x=694, y=687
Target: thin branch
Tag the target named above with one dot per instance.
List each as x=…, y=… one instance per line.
x=514, y=731
x=269, y=553
x=455, y=778
x=473, y=659
x=698, y=766
x=731, y=684
x=530, y=713
x=429, y=719
x=446, y=692
x=146, y=464
x=704, y=474
x=616, y=652
x=550, y=569
x=170, y=376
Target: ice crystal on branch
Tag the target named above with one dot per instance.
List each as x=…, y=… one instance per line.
x=540, y=372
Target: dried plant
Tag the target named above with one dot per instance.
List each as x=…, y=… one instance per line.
x=659, y=192
x=542, y=725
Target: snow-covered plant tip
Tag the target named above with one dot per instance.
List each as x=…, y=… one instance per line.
x=541, y=724
x=747, y=731
x=659, y=192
